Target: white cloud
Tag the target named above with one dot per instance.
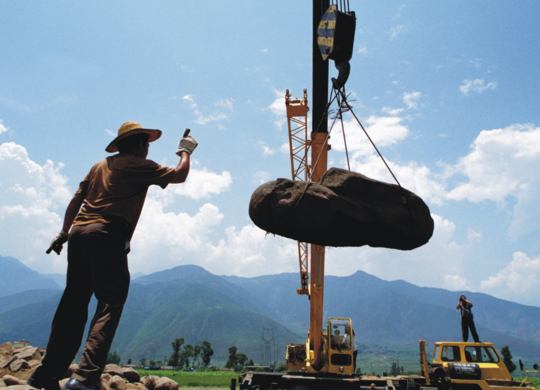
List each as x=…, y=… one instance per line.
x=261, y=177
x=411, y=99
x=518, y=281
x=384, y=131
x=499, y=164
x=201, y=184
x=424, y=266
x=277, y=107
x=3, y=128
x=397, y=30
x=226, y=103
x=170, y=239
x=267, y=151
x=362, y=50
x=203, y=119
x=411, y=102
x=477, y=85
x=456, y=283
x=31, y=198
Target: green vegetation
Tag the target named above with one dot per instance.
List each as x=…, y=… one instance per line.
x=195, y=379
x=507, y=358
x=535, y=381
x=113, y=358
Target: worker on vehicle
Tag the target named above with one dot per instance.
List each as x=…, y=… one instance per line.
x=98, y=225
x=337, y=339
x=467, y=319
x=347, y=337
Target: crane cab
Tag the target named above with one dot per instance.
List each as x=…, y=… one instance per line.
x=339, y=346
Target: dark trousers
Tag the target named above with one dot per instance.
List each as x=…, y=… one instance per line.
x=466, y=324
x=97, y=264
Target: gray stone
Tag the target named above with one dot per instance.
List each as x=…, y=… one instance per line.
x=117, y=383
x=166, y=384
x=113, y=369
x=131, y=375
x=135, y=386
x=6, y=351
x=150, y=381
x=343, y=209
x=10, y=380
x=7, y=362
x=29, y=353
x=19, y=364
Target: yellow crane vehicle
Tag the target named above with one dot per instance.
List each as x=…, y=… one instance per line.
x=460, y=365
x=455, y=366
x=327, y=360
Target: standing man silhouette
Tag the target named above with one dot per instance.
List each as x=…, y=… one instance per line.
x=467, y=321
x=98, y=226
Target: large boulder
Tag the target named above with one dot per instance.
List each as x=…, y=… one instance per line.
x=18, y=365
x=7, y=362
x=131, y=375
x=343, y=209
x=6, y=351
x=166, y=384
x=150, y=381
x=20, y=387
x=10, y=380
x=113, y=369
x=135, y=386
x=116, y=383
x=29, y=353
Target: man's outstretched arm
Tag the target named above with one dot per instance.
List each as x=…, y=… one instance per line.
x=186, y=147
x=181, y=172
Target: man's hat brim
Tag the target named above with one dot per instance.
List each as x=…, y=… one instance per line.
x=153, y=135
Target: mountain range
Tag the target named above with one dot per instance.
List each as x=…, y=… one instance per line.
x=190, y=302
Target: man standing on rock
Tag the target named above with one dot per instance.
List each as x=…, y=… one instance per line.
x=98, y=226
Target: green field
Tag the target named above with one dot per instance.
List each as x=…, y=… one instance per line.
x=195, y=379
x=223, y=378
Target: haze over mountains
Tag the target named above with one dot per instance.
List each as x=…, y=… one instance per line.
x=189, y=302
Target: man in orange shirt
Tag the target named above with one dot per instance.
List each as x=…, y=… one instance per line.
x=98, y=226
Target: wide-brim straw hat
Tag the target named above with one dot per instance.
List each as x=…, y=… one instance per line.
x=132, y=128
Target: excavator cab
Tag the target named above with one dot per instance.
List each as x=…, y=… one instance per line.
x=340, y=346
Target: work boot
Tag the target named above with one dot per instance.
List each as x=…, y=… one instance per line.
x=40, y=380
x=74, y=384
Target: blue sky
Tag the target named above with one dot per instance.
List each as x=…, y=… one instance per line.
x=448, y=91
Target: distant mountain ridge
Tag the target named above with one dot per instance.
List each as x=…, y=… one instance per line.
x=17, y=277
x=190, y=302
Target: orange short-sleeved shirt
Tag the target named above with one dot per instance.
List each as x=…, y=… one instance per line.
x=117, y=186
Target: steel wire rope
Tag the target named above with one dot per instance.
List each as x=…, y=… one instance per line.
x=402, y=190
x=339, y=92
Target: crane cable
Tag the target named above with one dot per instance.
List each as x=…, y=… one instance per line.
x=337, y=93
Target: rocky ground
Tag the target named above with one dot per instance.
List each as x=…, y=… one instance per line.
x=16, y=366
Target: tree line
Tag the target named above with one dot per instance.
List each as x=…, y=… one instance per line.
x=190, y=354
x=185, y=356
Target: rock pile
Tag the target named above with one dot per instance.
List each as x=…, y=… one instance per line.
x=16, y=366
x=343, y=209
